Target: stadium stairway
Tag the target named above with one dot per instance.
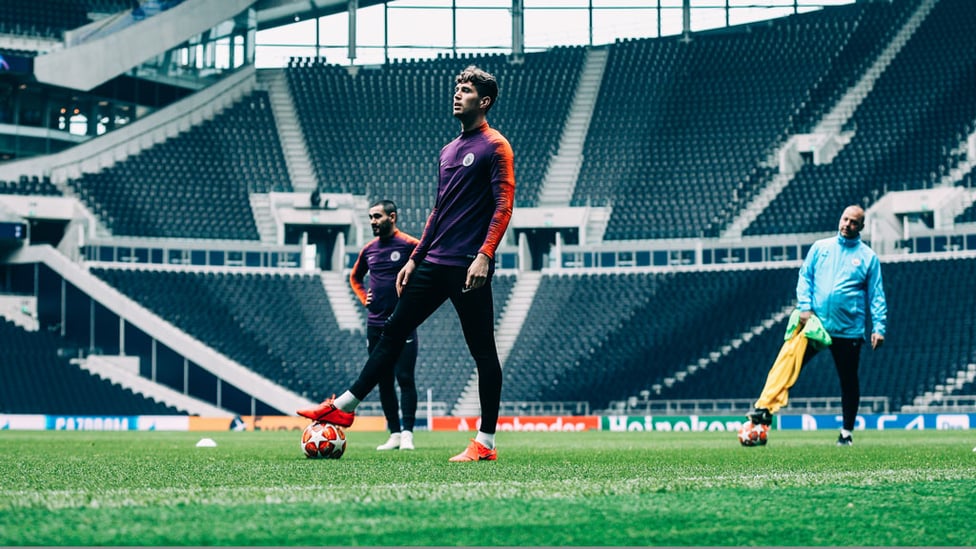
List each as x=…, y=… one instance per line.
x=508, y=329
x=21, y=310
x=560, y=179
x=263, y=217
x=86, y=65
x=343, y=303
x=831, y=125
x=952, y=384
x=124, y=371
x=713, y=357
x=516, y=309
x=835, y=120
x=290, y=131
x=596, y=224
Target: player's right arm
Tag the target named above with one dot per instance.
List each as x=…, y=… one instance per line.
x=404, y=275
x=423, y=245
x=805, y=284
x=357, y=277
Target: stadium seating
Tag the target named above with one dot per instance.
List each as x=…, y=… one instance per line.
x=593, y=337
x=377, y=132
x=195, y=185
x=920, y=109
x=50, y=18
x=30, y=186
x=292, y=338
x=873, y=26
x=41, y=18
x=929, y=338
x=38, y=379
x=596, y=337
x=697, y=122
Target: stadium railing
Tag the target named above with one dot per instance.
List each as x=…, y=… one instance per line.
x=509, y=408
x=374, y=408
x=960, y=404
x=819, y=405
x=544, y=408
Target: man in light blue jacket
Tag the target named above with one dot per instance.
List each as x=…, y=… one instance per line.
x=840, y=281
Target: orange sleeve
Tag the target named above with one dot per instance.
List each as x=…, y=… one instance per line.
x=503, y=190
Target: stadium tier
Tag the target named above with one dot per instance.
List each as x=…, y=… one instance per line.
x=902, y=135
x=279, y=325
x=377, y=132
x=587, y=337
x=699, y=122
x=598, y=337
x=42, y=18
x=30, y=186
x=930, y=338
x=197, y=184
x=51, y=18
x=293, y=338
x=38, y=379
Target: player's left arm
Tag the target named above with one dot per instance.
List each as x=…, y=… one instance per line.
x=503, y=193
x=879, y=306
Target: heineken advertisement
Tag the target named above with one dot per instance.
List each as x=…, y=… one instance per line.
x=671, y=423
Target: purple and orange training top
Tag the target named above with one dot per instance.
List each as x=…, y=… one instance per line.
x=475, y=194
x=382, y=258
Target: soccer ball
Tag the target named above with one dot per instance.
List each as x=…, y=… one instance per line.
x=323, y=440
x=753, y=434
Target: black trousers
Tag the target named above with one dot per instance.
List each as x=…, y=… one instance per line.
x=427, y=289
x=847, y=358
x=403, y=373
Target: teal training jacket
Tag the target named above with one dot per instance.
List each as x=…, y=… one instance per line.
x=839, y=281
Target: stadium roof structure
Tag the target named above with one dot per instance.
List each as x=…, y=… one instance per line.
x=274, y=13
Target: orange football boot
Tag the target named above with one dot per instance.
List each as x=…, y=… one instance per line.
x=326, y=412
x=476, y=451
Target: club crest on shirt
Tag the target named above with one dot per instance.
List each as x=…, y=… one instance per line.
x=395, y=256
x=468, y=159
x=856, y=262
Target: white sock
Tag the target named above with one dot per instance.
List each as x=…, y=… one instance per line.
x=486, y=439
x=346, y=402
x=845, y=433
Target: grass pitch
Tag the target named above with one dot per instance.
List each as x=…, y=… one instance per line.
x=592, y=488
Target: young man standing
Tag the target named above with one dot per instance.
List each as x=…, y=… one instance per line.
x=382, y=258
x=454, y=260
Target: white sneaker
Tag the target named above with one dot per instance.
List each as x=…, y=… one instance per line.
x=392, y=444
x=406, y=440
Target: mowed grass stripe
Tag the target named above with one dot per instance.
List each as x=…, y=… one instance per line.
x=892, y=488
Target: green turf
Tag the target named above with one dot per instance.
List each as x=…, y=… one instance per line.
x=255, y=488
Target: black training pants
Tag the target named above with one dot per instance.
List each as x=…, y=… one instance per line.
x=403, y=373
x=847, y=358
x=427, y=289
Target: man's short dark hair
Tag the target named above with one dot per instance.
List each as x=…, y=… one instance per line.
x=388, y=206
x=483, y=81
